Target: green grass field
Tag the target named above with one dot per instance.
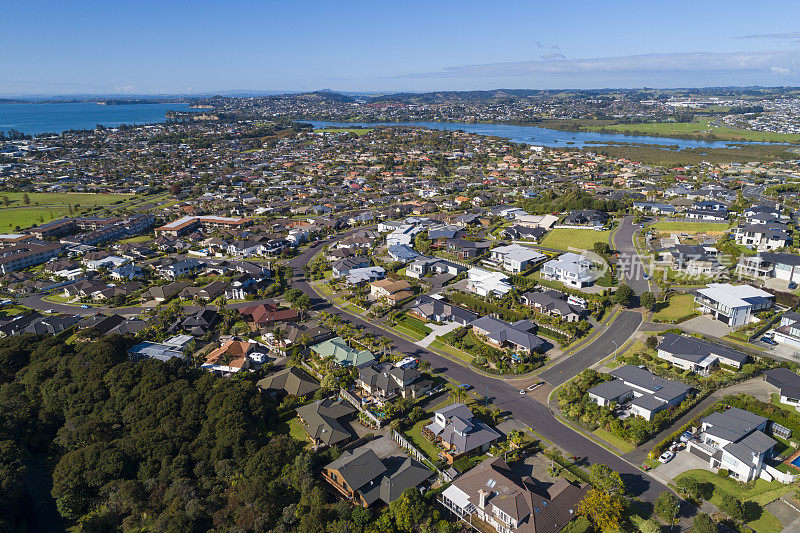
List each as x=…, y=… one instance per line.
x=27, y=216
x=697, y=227
x=678, y=307
x=452, y=351
x=581, y=239
x=63, y=198
x=702, y=128
x=140, y=238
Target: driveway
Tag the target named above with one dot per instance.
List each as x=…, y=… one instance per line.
x=706, y=325
x=682, y=462
x=438, y=331
x=631, y=269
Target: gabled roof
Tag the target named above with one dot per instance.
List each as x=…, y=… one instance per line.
x=292, y=380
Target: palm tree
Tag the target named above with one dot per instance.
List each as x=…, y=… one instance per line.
x=458, y=394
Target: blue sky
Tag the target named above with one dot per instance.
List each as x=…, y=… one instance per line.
x=144, y=47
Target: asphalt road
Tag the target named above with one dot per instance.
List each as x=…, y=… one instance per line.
x=612, y=339
x=506, y=397
x=630, y=266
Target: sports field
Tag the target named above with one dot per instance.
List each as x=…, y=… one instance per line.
x=25, y=217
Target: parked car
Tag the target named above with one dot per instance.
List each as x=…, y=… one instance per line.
x=535, y=385
x=84, y=306
x=769, y=341
x=686, y=436
x=666, y=457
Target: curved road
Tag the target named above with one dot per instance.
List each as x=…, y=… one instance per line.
x=629, y=264
x=506, y=397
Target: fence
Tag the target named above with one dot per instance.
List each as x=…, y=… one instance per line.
x=418, y=455
x=357, y=404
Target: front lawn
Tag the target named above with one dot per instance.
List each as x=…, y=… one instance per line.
x=582, y=239
x=677, y=309
x=761, y=493
x=450, y=350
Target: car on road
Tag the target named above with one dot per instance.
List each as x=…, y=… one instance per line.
x=84, y=306
x=49, y=311
x=665, y=457
x=767, y=340
x=522, y=392
x=465, y=386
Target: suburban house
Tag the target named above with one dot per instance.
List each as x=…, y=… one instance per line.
x=524, y=233
x=293, y=381
x=485, y=282
x=514, y=258
x=162, y=351
x=733, y=304
x=553, y=303
x=692, y=260
x=434, y=309
x=268, y=314
x=393, y=291
x=362, y=276
x=464, y=249
x=364, y=479
x=508, y=503
x=650, y=393
x=324, y=421
x=502, y=334
x=230, y=358
x=762, y=237
x=788, y=330
x=456, y=432
x=571, y=269
x=337, y=349
x=403, y=253
x=385, y=381
x=586, y=217
x=198, y=323
x=785, y=267
x=423, y=266
x=184, y=267
x=698, y=355
x=788, y=384
x=736, y=440
x=343, y=267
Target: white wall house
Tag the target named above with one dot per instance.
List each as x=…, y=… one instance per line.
x=571, y=269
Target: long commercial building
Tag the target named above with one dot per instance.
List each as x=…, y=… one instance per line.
x=187, y=224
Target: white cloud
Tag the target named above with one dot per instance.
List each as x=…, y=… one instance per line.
x=124, y=88
x=781, y=70
x=699, y=62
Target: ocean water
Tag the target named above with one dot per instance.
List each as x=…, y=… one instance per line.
x=539, y=136
x=56, y=118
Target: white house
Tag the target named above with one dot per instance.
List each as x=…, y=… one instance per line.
x=515, y=257
x=733, y=304
x=571, y=269
x=483, y=282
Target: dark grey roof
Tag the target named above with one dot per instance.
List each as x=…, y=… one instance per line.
x=733, y=424
x=501, y=332
x=695, y=350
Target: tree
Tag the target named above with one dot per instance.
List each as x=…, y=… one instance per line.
x=666, y=506
x=602, y=248
x=408, y=510
x=26, y=199
x=607, y=480
x=651, y=342
x=624, y=295
x=604, y=510
x=733, y=507
x=175, y=188
x=458, y=394
x=704, y=524
x=648, y=300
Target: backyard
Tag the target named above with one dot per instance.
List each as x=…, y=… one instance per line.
x=581, y=239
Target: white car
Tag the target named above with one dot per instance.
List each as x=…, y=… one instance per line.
x=666, y=457
x=522, y=392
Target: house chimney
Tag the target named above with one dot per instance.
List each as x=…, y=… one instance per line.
x=482, y=498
